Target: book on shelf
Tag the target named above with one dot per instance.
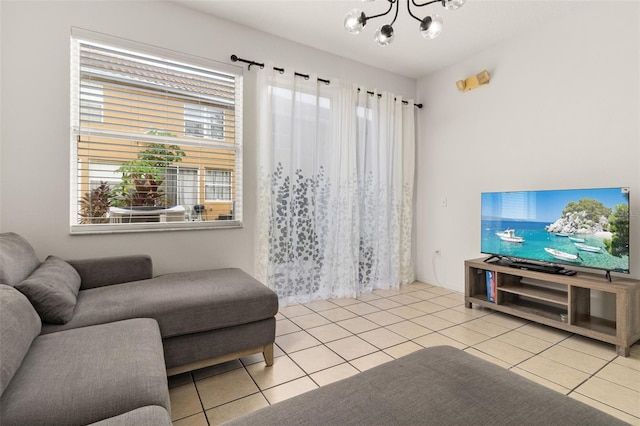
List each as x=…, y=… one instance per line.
x=491, y=286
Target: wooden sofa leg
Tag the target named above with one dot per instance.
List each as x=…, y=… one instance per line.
x=268, y=354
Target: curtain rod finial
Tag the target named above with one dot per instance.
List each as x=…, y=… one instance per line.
x=234, y=58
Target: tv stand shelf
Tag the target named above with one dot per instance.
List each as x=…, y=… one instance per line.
x=539, y=293
x=559, y=301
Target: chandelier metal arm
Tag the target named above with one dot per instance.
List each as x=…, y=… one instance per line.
x=411, y=14
x=427, y=3
x=397, y=9
x=391, y=3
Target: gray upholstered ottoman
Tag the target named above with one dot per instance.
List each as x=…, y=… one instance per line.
x=437, y=386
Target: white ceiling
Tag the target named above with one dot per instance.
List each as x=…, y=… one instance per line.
x=319, y=24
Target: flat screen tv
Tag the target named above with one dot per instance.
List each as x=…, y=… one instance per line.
x=558, y=229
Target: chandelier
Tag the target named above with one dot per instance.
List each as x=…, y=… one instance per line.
x=430, y=26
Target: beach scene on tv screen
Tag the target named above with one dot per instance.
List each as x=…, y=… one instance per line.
x=580, y=227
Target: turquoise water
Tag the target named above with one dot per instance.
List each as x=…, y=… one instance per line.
x=536, y=238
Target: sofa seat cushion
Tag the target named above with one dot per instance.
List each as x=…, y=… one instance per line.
x=151, y=415
x=182, y=303
x=85, y=375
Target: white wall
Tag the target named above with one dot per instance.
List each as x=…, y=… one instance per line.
x=562, y=111
x=34, y=178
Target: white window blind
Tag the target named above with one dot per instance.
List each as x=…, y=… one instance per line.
x=148, y=126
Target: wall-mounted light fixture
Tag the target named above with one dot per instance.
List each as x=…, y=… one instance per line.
x=474, y=81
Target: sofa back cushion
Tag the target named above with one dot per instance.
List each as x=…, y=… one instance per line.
x=17, y=259
x=19, y=325
x=52, y=289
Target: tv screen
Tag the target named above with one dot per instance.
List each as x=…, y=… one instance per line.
x=576, y=227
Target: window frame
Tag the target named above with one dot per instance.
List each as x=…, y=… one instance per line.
x=181, y=169
x=211, y=172
x=233, y=145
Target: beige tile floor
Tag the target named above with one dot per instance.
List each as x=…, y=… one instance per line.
x=325, y=341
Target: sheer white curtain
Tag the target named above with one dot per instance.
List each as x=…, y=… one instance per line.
x=336, y=171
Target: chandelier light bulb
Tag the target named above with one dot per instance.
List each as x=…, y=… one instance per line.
x=453, y=4
x=355, y=21
x=431, y=27
x=384, y=35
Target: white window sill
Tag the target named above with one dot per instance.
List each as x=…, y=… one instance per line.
x=116, y=228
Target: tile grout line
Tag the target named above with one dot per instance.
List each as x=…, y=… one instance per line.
x=618, y=365
x=605, y=404
x=204, y=412
x=553, y=344
x=260, y=391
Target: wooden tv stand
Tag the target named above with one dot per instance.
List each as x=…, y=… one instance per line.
x=542, y=298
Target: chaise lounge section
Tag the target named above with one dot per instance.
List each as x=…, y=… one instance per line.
x=205, y=317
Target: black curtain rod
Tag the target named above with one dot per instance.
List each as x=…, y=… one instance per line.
x=234, y=58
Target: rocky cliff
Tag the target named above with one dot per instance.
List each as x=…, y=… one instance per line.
x=578, y=223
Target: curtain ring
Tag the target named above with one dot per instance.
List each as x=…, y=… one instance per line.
x=281, y=71
x=306, y=77
x=249, y=67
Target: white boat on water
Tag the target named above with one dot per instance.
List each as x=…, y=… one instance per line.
x=576, y=239
x=568, y=257
x=510, y=236
x=585, y=247
x=561, y=234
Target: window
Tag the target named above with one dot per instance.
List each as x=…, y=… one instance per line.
x=203, y=121
x=154, y=133
x=217, y=185
x=182, y=187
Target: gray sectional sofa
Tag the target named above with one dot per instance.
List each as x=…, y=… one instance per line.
x=94, y=340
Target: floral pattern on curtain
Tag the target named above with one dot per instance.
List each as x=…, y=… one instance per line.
x=335, y=188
